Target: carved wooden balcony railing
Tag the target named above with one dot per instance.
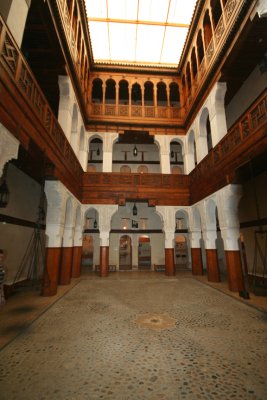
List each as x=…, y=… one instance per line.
x=26, y=112
x=76, y=45
x=116, y=188
x=158, y=114
x=246, y=139
x=222, y=31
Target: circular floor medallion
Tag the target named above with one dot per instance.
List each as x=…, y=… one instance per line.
x=155, y=321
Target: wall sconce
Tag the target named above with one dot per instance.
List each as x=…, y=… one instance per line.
x=135, y=151
x=4, y=194
x=134, y=209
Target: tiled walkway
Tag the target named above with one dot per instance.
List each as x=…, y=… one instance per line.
x=138, y=336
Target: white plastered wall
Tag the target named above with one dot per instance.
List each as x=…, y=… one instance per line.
x=215, y=109
x=70, y=120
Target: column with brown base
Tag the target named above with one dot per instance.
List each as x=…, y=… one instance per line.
x=66, y=266
x=212, y=265
x=197, y=265
x=56, y=197
x=229, y=198
x=169, y=262
x=76, y=261
x=210, y=236
x=169, y=253
x=51, y=273
x=196, y=256
x=234, y=270
x=104, y=253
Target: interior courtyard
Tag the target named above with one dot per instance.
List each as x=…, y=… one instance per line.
x=133, y=214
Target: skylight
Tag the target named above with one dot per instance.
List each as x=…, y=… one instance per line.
x=139, y=32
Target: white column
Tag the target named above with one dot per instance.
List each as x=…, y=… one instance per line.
x=56, y=195
x=164, y=150
x=108, y=140
x=228, y=200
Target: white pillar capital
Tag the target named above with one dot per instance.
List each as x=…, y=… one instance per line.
x=210, y=236
x=104, y=238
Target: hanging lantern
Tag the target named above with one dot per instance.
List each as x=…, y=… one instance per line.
x=135, y=151
x=134, y=209
x=98, y=151
x=4, y=194
x=172, y=154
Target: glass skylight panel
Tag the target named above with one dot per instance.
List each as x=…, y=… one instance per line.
x=96, y=8
x=122, y=9
x=100, y=40
x=122, y=42
x=116, y=37
x=149, y=42
x=153, y=10
x=173, y=45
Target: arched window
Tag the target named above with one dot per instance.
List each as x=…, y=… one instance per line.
x=216, y=11
x=136, y=94
x=142, y=169
x=188, y=76
x=194, y=62
x=110, y=91
x=207, y=29
x=149, y=94
x=97, y=91
x=174, y=95
x=125, y=169
x=161, y=94
x=200, y=48
x=123, y=92
x=91, y=168
x=209, y=138
x=176, y=170
x=176, y=155
x=184, y=87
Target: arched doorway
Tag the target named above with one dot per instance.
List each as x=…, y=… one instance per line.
x=88, y=252
x=181, y=252
x=125, y=253
x=144, y=252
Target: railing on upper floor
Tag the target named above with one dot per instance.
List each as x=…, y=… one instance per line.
x=232, y=150
x=157, y=188
x=19, y=72
x=221, y=32
x=140, y=112
x=76, y=55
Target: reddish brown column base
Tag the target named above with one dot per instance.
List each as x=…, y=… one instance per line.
x=66, y=266
x=104, y=261
x=50, y=281
x=234, y=271
x=197, y=266
x=212, y=265
x=76, y=262
x=169, y=262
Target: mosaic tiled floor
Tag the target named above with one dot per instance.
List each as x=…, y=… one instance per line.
x=147, y=338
